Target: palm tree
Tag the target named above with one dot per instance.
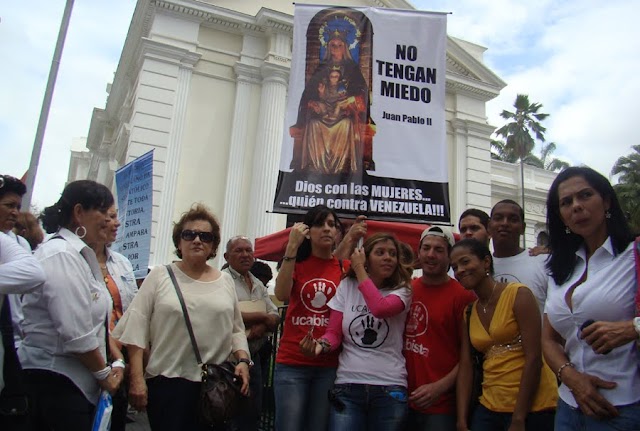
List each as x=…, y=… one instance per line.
x=524, y=122
x=628, y=187
x=549, y=163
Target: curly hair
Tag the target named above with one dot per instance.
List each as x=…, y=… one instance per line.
x=9, y=184
x=197, y=212
x=401, y=277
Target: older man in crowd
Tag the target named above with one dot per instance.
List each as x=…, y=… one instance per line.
x=260, y=317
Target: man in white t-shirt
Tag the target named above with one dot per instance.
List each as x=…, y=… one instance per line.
x=511, y=262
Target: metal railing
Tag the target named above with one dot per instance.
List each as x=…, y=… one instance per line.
x=268, y=417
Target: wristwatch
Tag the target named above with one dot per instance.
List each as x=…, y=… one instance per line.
x=249, y=362
x=636, y=325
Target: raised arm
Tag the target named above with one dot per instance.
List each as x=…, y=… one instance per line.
x=284, y=280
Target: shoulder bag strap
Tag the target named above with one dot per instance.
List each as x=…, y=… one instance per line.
x=185, y=313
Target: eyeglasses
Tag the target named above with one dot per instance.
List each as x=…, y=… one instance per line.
x=190, y=235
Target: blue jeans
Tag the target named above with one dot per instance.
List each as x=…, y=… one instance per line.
x=431, y=422
x=570, y=419
x=302, y=397
x=368, y=407
x=488, y=420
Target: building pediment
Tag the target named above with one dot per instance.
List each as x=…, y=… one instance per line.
x=467, y=73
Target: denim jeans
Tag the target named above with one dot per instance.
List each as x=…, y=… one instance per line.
x=488, y=420
x=302, y=401
x=368, y=407
x=570, y=419
x=431, y=422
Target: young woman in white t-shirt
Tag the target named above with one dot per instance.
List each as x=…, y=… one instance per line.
x=367, y=318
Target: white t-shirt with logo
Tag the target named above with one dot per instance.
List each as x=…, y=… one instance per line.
x=371, y=347
x=528, y=270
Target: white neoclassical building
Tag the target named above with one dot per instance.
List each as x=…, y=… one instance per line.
x=204, y=84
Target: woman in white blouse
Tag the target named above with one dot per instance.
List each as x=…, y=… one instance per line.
x=169, y=386
x=589, y=336
x=121, y=284
x=64, y=352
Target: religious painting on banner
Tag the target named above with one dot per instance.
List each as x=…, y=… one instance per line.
x=365, y=121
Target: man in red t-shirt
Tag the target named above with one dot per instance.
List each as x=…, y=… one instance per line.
x=432, y=335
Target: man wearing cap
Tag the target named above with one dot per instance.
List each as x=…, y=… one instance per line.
x=432, y=335
x=512, y=263
x=260, y=316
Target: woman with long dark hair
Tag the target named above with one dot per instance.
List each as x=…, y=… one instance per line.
x=64, y=352
x=308, y=279
x=590, y=333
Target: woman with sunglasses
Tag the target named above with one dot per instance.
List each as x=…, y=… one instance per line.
x=308, y=279
x=169, y=387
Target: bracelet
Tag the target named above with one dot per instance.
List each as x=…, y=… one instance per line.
x=288, y=258
x=326, y=346
x=562, y=367
x=118, y=363
x=102, y=374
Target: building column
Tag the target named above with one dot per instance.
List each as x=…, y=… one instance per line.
x=460, y=135
x=268, y=145
x=165, y=207
x=248, y=76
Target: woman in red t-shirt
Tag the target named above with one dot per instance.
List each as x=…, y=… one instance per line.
x=308, y=279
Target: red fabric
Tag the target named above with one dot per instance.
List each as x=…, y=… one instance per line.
x=333, y=334
x=432, y=337
x=637, y=254
x=380, y=306
x=315, y=282
x=272, y=247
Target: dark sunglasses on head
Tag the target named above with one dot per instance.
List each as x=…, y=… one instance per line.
x=190, y=235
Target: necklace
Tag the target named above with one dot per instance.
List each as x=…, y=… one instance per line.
x=484, y=307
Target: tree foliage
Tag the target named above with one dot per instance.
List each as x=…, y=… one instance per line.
x=521, y=125
x=520, y=134
x=628, y=188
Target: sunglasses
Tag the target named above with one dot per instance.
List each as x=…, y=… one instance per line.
x=190, y=235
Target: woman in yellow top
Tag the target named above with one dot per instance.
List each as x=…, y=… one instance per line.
x=519, y=391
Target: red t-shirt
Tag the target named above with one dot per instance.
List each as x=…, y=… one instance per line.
x=432, y=337
x=315, y=282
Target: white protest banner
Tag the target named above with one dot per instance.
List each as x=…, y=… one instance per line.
x=134, y=185
x=365, y=122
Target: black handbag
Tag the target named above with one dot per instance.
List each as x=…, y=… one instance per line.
x=220, y=396
x=477, y=360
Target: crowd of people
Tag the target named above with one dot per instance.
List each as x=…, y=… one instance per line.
x=507, y=339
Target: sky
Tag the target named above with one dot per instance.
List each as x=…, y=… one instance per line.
x=572, y=56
